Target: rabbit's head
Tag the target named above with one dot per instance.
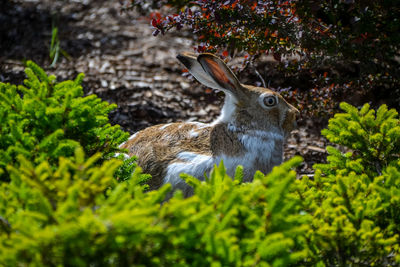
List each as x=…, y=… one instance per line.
x=246, y=107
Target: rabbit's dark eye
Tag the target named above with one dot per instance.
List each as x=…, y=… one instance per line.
x=269, y=101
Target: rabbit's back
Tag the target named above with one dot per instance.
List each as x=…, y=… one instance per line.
x=161, y=148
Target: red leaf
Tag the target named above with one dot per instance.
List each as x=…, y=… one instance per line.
x=266, y=32
x=235, y=3
x=225, y=53
x=154, y=15
x=201, y=48
x=364, y=35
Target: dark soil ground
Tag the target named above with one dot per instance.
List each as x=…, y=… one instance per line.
x=123, y=64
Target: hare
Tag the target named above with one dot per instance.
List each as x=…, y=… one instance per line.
x=250, y=131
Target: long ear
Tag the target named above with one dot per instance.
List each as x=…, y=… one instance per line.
x=219, y=72
x=195, y=68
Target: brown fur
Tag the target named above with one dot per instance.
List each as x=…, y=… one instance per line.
x=245, y=119
x=155, y=150
x=224, y=141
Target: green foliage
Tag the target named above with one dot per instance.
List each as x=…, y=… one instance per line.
x=373, y=138
x=50, y=214
x=78, y=215
x=60, y=203
x=55, y=48
x=248, y=224
x=66, y=200
x=45, y=120
x=354, y=198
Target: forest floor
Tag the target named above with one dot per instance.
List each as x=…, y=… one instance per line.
x=123, y=64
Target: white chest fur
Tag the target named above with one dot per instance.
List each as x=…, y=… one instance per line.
x=262, y=151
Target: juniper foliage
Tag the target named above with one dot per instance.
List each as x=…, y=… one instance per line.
x=61, y=204
x=78, y=215
x=44, y=120
x=354, y=198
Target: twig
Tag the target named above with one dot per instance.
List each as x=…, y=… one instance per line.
x=378, y=168
x=259, y=76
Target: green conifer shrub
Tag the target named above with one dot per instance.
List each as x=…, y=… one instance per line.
x=355, y=198
x=89, y=219
x=61, y=204
x=45, y=120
